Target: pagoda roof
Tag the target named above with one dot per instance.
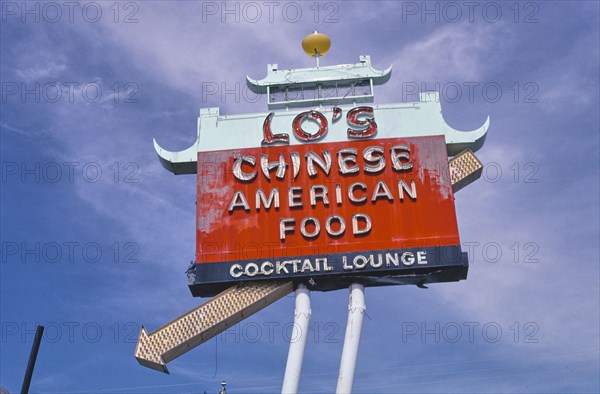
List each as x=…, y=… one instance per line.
x=310, y=76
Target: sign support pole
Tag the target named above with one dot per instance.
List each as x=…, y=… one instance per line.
x=356, y=311
x=293, y=368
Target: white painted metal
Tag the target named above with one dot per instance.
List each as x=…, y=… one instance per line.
x=356, y=311
x=293, y=368
x=339, y=72
x=228, y=132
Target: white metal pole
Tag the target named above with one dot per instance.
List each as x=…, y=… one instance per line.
x=293, y=368
x=356, y=311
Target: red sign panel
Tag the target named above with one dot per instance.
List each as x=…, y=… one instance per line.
x=258, y=206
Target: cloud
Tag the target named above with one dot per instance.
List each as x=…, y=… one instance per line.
x=458, y=52
x=50, y=69
x=567, y=79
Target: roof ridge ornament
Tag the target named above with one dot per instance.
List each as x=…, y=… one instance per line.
x=318, y=86
x=316, y=45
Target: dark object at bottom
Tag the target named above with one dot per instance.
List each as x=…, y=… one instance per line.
x=32, y=358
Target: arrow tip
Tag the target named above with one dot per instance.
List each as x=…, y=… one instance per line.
x=147, y=355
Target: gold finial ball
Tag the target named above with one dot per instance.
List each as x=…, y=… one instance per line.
x=316, y=44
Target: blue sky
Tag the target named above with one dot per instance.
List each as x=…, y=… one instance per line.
x=96, y=235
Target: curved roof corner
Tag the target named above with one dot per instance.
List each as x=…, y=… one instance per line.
x=182, y=162
x=457, y=141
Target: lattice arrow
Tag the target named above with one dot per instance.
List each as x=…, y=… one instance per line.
x=233, y=305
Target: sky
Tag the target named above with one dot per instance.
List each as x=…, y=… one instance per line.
x=96, y=235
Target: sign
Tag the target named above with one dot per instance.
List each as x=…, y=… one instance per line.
x=371, y=208
x=366, y=201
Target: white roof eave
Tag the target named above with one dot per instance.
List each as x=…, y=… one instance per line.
x=346, y=72
x=401, y=120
